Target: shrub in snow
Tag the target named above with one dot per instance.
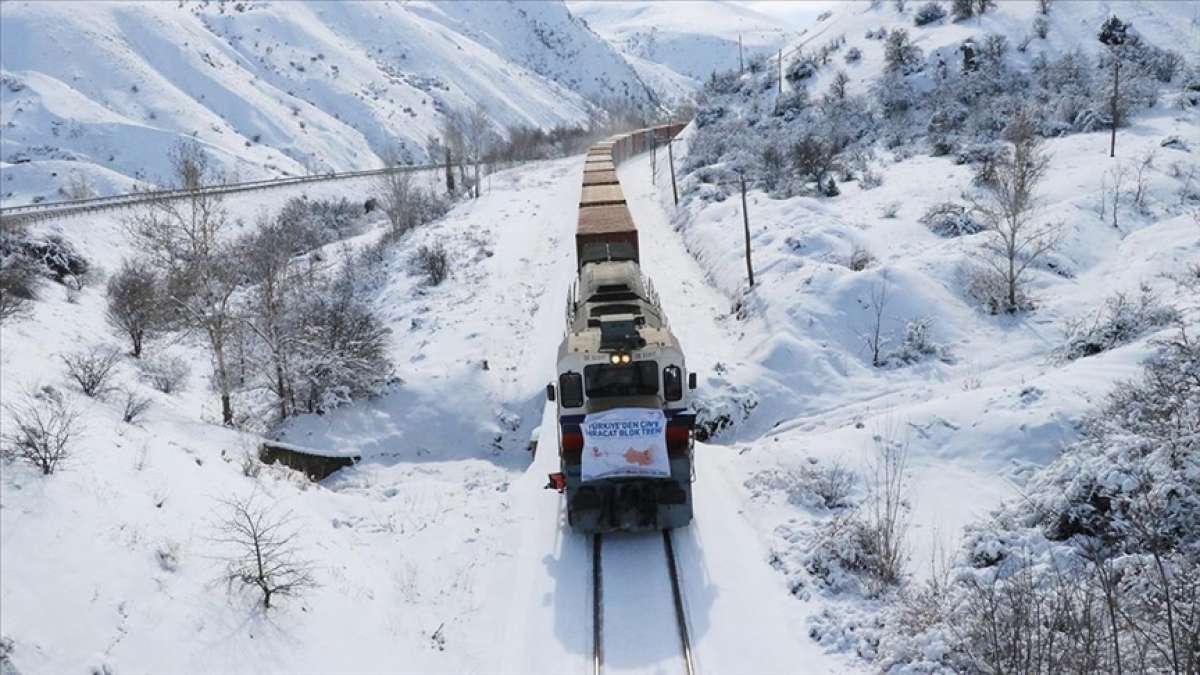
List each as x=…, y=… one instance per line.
x=985, y=157
x=313, y=223
x=948, y=219
x=19, y=274
x=23, y=259
x=853, y=55
x=801, y=69
x=860, y=259
x=92, y=368
x=929, y=13
x=871, y=179
x=988, y=288
x=41, y=430
x=134, y=406
x=815, y=485
x=1121, y=320
x=916, y=346
x=829, y=188
x=135, y=303
x=167, y=374
x=866, y=550
x=433, y=262
x=832, y=483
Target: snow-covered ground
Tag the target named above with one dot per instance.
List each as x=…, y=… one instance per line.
x=269, y=89
x=440, y=551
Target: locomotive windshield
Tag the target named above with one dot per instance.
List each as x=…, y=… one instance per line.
x=635, y=379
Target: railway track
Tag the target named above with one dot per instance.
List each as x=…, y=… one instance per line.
x=685, y=643
x=47, y=210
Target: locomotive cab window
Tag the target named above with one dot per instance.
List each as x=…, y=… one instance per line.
x=672, y=383
x=570, y=388
x=639, y=378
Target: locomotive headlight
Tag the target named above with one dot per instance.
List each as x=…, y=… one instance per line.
x=625, y=358
x=615, y=359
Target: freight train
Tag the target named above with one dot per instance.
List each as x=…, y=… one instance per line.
x=623, y=388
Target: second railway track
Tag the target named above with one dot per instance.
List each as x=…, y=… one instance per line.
x=687, y=660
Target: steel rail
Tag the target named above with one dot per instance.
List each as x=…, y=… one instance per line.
x=685, y=642
x=597, y=608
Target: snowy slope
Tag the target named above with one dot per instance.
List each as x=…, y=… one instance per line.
x=998, y=400
x=285, y=88
x=1164, y=24
x=691, y=38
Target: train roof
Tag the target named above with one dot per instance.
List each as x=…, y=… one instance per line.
x=610, y=293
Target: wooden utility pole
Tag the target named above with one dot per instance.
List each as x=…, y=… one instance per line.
x=746, y=227
x=1113, y=104
x=741, y=60
x=781, y=72
x=653, y=158
x=449, y=172
x=671, y=159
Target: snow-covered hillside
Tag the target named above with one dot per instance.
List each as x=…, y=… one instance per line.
x=103, y=89
x=868, y=334
x=691, y=39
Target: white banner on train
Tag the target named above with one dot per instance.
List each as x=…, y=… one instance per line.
x=625, y=443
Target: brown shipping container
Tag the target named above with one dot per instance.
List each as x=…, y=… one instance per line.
x=604, y=233
x=601, y=195
x=599, y=178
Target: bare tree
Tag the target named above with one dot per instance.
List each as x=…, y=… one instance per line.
x=396, y=191
x=264, y=552
x=1141, y=180
x=185, y=238
x=134, y=303
x=874, y=337
x=1112, y=189
x=265, y=256
x=479, y=136
x=41, y=432
x=91, y=368
x=1014, y=242
x=189, y=165
x=453, y=139
x=837, y=88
